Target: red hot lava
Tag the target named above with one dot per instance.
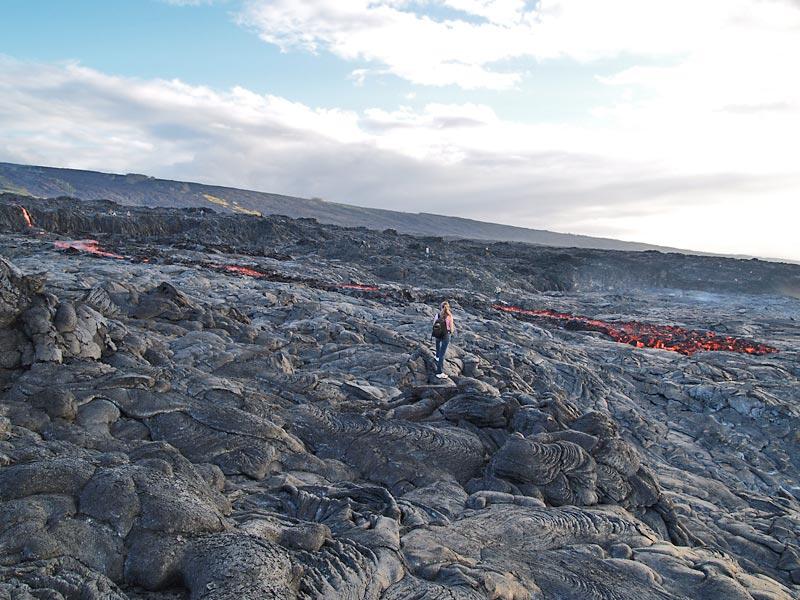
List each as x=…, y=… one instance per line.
x=27, y=216
x=90, y=246
x=240, y=270
x=648, y=335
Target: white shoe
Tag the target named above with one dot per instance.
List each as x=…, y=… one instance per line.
x=441, y=376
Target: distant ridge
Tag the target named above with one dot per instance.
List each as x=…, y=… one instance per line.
x=142, y=190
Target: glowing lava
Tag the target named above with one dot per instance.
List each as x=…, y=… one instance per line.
x=27, y=216
x=359, y=287
x=240, y=270
x=648, y=335
x=90, y=246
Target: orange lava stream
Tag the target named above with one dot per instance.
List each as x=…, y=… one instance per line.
x=648, y=335
x=90, y=246
x=27, y=216
x=240, y=270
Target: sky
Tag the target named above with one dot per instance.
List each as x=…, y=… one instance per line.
x=673, y=123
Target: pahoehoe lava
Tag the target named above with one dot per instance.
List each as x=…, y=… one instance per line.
x=206, y=406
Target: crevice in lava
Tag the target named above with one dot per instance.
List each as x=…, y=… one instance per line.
x=275, y=276
x=646, y=335
x=254, y=273
x=359, y=287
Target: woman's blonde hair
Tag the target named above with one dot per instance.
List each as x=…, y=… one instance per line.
x=445, y=307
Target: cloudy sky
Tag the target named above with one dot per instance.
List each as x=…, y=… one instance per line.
x=674, y=123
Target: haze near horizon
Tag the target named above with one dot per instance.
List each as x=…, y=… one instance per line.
x=636, y=120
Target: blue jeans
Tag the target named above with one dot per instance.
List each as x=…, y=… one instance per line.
x=441, y=350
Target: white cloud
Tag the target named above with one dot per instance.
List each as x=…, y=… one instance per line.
x=403, y=42
x=722, y=186
x=468, y=47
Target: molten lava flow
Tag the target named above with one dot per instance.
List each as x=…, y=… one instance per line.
x=27, y=216
x=240, y=270
x=359, y=287
x=90, y=246
x=648, y=335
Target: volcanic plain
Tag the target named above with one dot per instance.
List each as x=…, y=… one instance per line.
x=218, y=407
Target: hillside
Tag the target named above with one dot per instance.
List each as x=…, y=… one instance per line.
x=141, y=190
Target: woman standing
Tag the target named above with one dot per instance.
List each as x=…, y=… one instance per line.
x=443, y=328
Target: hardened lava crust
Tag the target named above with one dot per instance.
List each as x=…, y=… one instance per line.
x=205, y=406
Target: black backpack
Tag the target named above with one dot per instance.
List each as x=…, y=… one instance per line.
x=439, y=327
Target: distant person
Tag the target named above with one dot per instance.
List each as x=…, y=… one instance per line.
x=443, y=328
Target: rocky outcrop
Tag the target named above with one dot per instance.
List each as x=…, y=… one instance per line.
x=36, y=327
